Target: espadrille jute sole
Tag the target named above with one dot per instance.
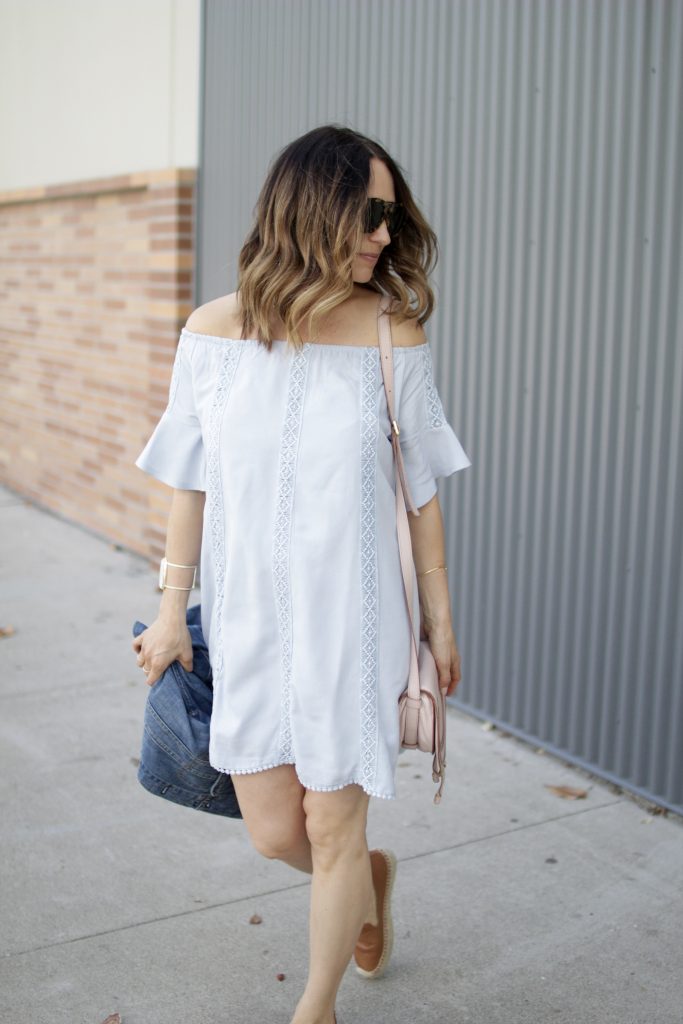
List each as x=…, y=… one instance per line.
x=387, y=922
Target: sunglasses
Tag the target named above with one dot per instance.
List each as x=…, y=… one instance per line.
x=378, y=210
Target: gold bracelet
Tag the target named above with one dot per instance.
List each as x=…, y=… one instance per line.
x=436, y=567
x=163, y=585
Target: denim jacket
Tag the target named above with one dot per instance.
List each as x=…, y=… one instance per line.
x=174, y=760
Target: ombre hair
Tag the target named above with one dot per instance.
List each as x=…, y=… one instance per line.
x=296, y=262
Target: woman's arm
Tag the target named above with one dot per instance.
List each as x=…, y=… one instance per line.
x=168, y=638
x=429, y=550
x=183, y=546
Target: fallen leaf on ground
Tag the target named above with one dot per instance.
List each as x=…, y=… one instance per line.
x=6, y=630
x=113, y=1018
x=568, y=792
x=255, y=919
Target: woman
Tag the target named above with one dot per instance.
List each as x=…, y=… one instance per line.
x=276, y=441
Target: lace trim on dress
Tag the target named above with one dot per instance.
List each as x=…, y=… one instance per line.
x=368, y=569
x=307, y=785
x=342, y=785
x=251, y=771
x=289, y=445
x=214, y=498
x=435, y=413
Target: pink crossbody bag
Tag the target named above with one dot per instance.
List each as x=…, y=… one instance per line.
x=422, y=705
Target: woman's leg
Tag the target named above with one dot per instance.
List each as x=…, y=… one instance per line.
x=272, y=806
x=341, y=891
x=323, y=834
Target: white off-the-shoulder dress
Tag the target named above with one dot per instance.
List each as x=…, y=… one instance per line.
x=302, y=602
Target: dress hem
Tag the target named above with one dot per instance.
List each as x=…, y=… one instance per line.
x=311, y=786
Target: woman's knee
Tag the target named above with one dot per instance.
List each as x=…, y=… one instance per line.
x=337, y=818
x=278, y=840
x=271, y=803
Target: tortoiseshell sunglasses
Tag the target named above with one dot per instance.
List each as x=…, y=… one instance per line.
x=379, y=210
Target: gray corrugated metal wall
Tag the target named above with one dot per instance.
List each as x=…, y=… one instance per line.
x=544, y=143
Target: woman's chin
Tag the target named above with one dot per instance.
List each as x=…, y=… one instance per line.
x=362, y=273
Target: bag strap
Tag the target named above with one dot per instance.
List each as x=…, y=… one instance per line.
x=403, y=497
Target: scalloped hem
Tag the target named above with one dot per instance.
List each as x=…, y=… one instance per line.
x=249, y=771
x=349, y=782
x=306, y=785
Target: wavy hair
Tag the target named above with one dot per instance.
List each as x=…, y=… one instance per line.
x=296, y=262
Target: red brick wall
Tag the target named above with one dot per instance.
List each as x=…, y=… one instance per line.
x=96, y=281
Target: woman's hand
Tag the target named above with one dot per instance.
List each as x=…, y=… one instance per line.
x=443, y=647
x=166, y=640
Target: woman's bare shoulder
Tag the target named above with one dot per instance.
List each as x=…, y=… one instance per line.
x=403, y=335
x=407, y=334
x=219, y=318
x=356, y=318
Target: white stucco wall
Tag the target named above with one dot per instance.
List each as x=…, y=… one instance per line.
x=91, y=88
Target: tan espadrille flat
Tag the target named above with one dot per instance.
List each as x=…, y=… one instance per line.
x=375, y=942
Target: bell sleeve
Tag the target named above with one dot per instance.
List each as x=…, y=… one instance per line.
x=175, y=453
x=429, y=445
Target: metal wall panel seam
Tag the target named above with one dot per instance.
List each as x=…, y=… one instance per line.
x=636, y=526
x=614, y=740
x=668, y=75
x=596, y=715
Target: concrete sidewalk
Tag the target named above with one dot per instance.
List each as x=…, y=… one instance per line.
x=511, y=905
